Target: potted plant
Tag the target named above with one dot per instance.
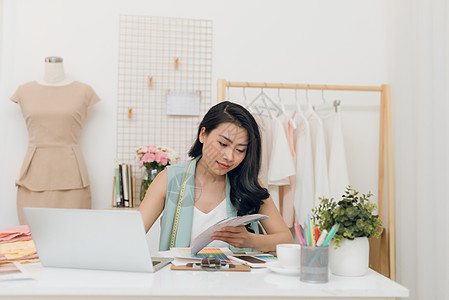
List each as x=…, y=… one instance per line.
x=349, y=255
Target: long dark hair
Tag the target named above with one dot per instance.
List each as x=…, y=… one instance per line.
x=246, y=193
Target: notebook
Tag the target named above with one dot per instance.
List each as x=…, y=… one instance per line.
x=92, y=239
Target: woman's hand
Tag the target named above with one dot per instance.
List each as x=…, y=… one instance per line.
x=236, y=236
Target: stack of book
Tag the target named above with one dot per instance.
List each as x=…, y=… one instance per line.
x=124, y=186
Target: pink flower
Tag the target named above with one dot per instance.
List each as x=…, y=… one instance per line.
x=163, y=158
x=148, y=157
x=156, y=156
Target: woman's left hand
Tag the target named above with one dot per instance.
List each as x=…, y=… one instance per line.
x=236, y=236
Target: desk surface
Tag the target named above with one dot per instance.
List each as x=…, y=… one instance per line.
x=168, y=284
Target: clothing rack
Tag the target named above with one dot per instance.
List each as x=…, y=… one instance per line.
x=385, y=143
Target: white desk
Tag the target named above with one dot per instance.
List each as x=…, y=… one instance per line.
x=167, y=284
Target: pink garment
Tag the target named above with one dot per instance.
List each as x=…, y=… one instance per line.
x=27, y=257
x=15, y=234
x=21, y=229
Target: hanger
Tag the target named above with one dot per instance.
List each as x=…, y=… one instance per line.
x=325, y=105
x=310, y=108
x=263, y=97
x=309, y=105
x=245, y=99
x=322, y=95
x=337, y=103
x=284, y=113
x=297, y=106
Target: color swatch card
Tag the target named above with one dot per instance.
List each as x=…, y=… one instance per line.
x=183, y=255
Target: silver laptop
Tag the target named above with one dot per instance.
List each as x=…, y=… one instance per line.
x=92, y=239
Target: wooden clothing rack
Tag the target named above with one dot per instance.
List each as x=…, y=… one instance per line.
x=385, y=142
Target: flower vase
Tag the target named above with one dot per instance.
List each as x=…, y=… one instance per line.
x=150, y=175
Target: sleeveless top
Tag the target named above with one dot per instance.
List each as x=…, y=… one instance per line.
x=202, y=220
x=175, y=177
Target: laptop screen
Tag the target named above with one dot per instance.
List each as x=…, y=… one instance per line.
x=90, y=239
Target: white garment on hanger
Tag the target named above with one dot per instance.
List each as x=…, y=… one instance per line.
x=319, y=154
x=305, y=182
x=287, y=192
x=281, y=162
x=336, y=155
x=280, y=166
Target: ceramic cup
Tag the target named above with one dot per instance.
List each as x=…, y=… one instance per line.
x=289, y=255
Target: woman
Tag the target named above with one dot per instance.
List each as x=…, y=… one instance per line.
x=221, y=181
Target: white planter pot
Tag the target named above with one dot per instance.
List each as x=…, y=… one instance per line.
x=351, y=258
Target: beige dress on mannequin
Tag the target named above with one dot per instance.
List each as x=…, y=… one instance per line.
x=53, y=173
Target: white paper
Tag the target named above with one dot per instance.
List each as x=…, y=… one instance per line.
x=13, y=271
x=181, y=103
x=205, y=237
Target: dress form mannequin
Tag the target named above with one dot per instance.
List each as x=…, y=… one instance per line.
x=54, y=72
x=53, y=173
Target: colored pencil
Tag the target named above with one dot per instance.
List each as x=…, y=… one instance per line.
x=299, y=234
x=312, y=237
x=306, y=229
x=317, y=234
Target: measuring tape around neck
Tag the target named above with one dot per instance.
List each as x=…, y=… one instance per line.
x=174, y=228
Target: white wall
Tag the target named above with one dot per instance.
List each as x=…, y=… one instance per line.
x=270, y=41
x=419, y=62
x=334, y=42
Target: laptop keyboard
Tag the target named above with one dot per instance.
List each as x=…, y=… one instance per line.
x=156, y=262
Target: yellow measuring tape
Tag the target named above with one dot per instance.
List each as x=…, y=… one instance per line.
x=174, y=228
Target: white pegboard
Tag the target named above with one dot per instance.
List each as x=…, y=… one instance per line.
x=148, y=47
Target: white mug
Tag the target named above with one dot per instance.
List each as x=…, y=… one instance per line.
x=289, y=255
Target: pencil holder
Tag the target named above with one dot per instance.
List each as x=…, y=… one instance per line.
x=314, y=264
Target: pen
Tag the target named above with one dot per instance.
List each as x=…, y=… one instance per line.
x=322, y=237
x=331, y=234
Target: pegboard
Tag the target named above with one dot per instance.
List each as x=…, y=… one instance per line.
x=158, y=55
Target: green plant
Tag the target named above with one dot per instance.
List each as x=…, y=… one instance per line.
x=354, y=213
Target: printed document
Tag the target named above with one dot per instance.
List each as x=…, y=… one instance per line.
x=205, y=237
